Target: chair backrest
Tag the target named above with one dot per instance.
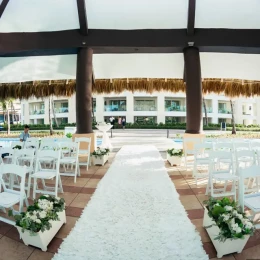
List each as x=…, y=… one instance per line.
x=49, y=145
x=17, y=143
x=48, y=155
x=255, y=145
x=84, y=144
x=64, y=139
x=224, y=146
x=27, y=154
x=248, y=173
x=224, y=140
x=14, y=170
x=203, y=149
x=31, y=144
x=69, y=149
x=221, y=157
x=241, y=146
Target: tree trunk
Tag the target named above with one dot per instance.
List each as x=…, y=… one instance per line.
x=54, y=114
x=8, y=122
x=233, y=118
x=205, y=111
x=50, y=119
x=13, y=111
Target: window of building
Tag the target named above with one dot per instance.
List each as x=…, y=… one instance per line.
x=145, y=105
x=172, y=120
x=115, y=105
x=172, y=105
x=145, y=119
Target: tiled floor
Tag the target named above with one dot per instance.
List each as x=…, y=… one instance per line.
x=77, y=196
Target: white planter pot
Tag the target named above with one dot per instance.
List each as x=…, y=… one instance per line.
x=99, y=160
x=174, y=160
x=42, y=239
x=222, y=248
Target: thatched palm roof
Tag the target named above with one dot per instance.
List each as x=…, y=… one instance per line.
x=39, y=89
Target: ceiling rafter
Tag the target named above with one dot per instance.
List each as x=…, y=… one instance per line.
x=131, y=41
x=191, y=17
x=83, y=21
x=3, y=6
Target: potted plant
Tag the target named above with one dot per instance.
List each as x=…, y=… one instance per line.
x=174, y=156
x=100, y=156
x=228, y=227
x=42, y=220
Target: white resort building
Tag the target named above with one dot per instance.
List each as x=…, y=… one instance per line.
x=160, y=107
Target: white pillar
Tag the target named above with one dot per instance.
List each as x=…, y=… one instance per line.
x=238, y=112
x=160, y=108
x=99, y=114
x=72, y=109
x=46, y=114
x=130, y=107
x=214, y=111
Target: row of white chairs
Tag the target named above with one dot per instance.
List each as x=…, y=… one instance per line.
x=45, y=164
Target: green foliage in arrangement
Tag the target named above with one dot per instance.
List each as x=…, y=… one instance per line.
x=100, y=152
x=38, y=216
x=69, y=135
x=230, y=219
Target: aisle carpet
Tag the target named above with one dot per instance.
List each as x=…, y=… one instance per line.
x=135, y=214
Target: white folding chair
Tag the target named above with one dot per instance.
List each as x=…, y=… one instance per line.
x=244, y=158
x=10, y=197
x=64, y=139
x=221, y=170
x=250, y=200
x=224, y=146
x=255, y=145
x=70, y=157
x=201, y=159
x=47, y=173
x=32, y=144
x=84, y=142
x=241, y=146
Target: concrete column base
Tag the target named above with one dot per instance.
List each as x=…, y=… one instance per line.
x=190, y=145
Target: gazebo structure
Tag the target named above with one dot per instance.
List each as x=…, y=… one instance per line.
x=135, y=45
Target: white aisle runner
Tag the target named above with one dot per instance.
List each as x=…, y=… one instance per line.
x=135, y=214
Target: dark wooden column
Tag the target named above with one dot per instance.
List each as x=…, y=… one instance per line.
x=84, y=91
x=193, y=90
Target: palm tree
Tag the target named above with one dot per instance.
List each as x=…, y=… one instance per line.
x=53, y=111
x=233, y=118
x=205, y=111
x=51, y=128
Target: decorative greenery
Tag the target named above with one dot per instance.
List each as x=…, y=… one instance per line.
x=19, y=147
x=38, y=216
x=175, y=152
x=69, y=135
x=100, y=152
x=228, y=216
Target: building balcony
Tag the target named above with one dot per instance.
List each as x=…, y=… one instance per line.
x=37, y=112
x=144, y=108
x=176, y=108
x=209, y=110
x=114, y=108
x=224, y=111
x=62, y=110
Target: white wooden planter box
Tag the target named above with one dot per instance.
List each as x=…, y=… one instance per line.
x=42, y=239
x=99, y=160
x=222, y=248
x=174, y=160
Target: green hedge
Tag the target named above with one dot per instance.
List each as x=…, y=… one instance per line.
x=239, y=127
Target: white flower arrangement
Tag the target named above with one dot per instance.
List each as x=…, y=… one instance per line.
x=100, y=152
x=232, y=222
x=175, y=152
x=37, y=217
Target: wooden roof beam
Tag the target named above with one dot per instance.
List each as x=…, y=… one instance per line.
x=3, y=6
x=83, y=21
x=191, y=17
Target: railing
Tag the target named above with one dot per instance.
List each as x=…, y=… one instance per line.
x=37, y=112
x=115, y=108
x=209, y=109
x=224, y=111
x=176, y=108
x=62, y=110
x=145, y=108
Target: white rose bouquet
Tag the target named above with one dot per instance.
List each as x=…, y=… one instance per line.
x=232, y=222
x=100, y=152
x=37, y=217
x=175, y=152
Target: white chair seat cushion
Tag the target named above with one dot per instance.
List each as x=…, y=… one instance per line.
x=44, y=174
x=253, y=202
x=8, y=199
